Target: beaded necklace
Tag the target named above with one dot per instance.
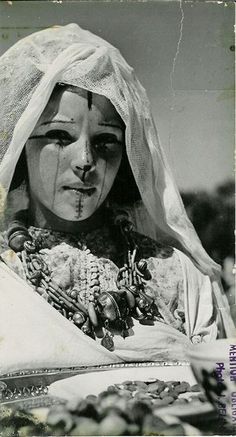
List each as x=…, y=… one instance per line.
x=75, y=290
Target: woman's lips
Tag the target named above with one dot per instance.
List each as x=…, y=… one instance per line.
x=85, y=191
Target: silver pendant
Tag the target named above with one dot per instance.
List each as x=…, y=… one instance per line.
x=108, y=342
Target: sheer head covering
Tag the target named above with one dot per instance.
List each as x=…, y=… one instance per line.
x=29, y=72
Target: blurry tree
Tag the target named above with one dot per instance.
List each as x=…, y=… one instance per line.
x=212, y=215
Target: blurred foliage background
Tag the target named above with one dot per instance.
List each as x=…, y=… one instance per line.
x=212, y=214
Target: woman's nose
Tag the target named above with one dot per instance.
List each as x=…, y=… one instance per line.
x=82, y=160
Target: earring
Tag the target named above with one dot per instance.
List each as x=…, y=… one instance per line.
x=17, y=233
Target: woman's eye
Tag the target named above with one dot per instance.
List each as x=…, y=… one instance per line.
x=61, y=137
x=106, y=145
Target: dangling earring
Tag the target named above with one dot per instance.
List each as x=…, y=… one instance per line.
x=17, y=232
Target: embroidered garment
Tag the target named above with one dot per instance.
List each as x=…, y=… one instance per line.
x=61, y=252
x=28, y=320
x=167, y=284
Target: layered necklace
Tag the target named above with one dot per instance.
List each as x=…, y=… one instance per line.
x=74, y=286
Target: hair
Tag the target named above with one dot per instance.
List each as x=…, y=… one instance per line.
x=124, y=190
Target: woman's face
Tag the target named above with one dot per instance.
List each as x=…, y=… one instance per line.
x=74, y=153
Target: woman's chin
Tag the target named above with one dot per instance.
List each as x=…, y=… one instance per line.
x=75, y=212
x=73, y=215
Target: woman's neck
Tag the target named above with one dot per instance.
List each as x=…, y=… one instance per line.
x=41, y=217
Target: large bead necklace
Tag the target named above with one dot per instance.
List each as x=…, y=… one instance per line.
x=75, y=288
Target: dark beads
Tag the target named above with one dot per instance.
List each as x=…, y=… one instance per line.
x=142, y=265
x=92, y=314
x=143, y=270
x=147, y=275
x=73, y=294
x=86, y=328
x=17, y=239
x=35, y=278
x=139, y=314
x=133, y=289
x=78, y=318
x=130, y=299
x=141, y=303
x=29, y=246
x=17, y=235
x=38, y=263
x=14, y=226
x=110, y=309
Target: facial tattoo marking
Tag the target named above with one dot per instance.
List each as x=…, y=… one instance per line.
x=103, y=182
x=55, y=180
x=80, y=197
x=90, y=100
x=79, y=205
x=71, y=178
x=86, y=167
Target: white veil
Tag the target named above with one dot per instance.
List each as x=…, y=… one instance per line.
x=28, y=73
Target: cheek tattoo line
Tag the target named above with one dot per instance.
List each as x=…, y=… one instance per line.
x=90, y=100
x=102, y=187
x=55, y=180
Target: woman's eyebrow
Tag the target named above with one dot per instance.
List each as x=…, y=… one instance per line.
x=110, y=125
x=57, y=121
x=73, y=122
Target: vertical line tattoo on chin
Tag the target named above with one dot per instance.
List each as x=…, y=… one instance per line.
x=79, y=205
x=80, y=197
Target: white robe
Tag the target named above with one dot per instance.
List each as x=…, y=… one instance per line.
x=34, y=335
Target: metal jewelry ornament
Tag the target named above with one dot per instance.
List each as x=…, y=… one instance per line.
x=96, y=312
x=108, y=342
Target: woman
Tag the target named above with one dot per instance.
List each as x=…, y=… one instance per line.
x=80, y=146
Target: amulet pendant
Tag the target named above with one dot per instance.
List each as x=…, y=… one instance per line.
x=107, y=342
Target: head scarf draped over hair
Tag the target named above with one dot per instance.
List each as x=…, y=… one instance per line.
x=29, y=72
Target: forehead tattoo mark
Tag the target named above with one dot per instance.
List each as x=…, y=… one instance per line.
x=90, y=100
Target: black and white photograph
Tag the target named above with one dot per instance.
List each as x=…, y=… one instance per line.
x=117, y=190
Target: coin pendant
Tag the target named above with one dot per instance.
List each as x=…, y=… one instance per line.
x=107, y=342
